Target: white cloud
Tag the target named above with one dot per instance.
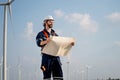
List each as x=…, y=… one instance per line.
x=29, y=33
x=117, y=43
x=59, y=13
x=114, y=17
x=84, y=20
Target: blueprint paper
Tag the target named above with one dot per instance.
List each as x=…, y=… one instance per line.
x=58, y=46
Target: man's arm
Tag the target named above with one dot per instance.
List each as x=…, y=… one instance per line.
x=45, y=42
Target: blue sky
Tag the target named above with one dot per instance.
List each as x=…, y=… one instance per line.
x=95, y=24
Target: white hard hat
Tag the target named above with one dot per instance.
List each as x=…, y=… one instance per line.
x=48, y=18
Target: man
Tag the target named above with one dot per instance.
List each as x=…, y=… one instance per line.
x=51, y=65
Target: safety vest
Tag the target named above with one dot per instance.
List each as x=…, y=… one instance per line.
x=45, y=33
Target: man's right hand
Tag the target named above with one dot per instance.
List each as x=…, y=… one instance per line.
x=45, y=42
x=48, y=40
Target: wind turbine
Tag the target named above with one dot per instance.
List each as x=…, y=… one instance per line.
x=68, y=62
x=8, y=72
x=1, y=63
x=36, y=74
x=19, y=72
x=19, y=69
x=6, y=6
x=0, y=71
x=87, y=68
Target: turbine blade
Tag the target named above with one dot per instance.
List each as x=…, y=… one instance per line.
x=6, y=3
x=9, y=0
x=10, y=9
x=2, y=3
x=10, y=12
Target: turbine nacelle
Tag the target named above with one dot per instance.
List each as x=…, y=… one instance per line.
x=6, y=3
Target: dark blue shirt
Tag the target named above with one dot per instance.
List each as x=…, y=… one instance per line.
x=41, y=36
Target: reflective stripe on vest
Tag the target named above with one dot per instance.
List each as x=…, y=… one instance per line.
x=46, y=35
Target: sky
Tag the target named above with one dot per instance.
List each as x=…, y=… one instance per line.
x=95, y=25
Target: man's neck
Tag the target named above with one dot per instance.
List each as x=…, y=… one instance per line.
x=48, y=29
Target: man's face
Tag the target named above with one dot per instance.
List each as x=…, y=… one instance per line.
x=50, y=23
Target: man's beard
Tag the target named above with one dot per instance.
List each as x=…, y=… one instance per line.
x=50, y=25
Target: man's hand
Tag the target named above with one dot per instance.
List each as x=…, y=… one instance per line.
x=45, y=42
x=72, y=43
x=48, y=40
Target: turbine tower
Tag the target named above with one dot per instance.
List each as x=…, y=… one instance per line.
x=87, y=68
x=68, y=62
x=1, y=64
x=6, y=6
x=0, y=71
x=19, y=72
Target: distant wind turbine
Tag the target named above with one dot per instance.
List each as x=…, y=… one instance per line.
x=19, y=69
x=36, y=73
x=6, y=6
x=19, y=72
x=87, y=68
x=8, y=72
x=68, y=62
x=0, y=71
x=1, y=63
